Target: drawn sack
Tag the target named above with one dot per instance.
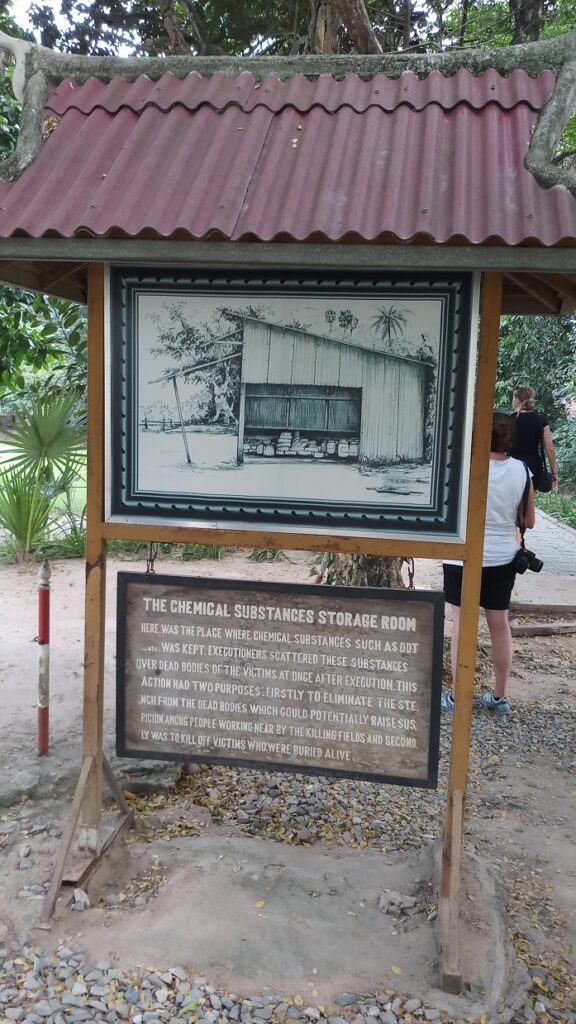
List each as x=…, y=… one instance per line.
x=542, y=476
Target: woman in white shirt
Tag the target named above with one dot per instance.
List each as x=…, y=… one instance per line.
x=505, y=511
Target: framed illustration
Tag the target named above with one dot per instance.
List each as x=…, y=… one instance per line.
x=291, y=401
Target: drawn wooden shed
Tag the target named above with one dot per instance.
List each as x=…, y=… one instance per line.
x=333, y=393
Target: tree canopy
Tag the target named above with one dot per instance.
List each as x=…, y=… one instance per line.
x=539, y=351
x=42, y=344
x=251, y=27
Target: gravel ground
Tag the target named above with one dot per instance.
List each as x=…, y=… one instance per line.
x=512, y=761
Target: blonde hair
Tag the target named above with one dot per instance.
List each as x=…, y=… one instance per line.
x=523, y=398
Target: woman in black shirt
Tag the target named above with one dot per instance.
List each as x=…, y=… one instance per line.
x=529, y=424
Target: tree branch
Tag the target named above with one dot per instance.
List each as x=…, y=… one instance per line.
x=205, y=46
x=173, y=28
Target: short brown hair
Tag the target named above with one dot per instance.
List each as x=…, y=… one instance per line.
x=503, y=433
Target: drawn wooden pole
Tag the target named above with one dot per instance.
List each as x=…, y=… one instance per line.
x=95, y=598
x=241, y=422
x=184, y=438
x=490, y=307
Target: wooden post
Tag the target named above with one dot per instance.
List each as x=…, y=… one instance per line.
x=490, y=307
x=95, y=599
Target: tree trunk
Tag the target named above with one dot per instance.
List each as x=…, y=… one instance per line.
x=366, y=571
x=407, y=23
x=326, y=18
x=463, y=23
x=527, y=15
x=324, y=26
x=355, y=17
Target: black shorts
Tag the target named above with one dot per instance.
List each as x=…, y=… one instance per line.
x=495, y=588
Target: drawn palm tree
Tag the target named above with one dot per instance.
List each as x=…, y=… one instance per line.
x=390, y=321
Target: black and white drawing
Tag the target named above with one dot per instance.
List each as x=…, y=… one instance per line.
x=292, y=402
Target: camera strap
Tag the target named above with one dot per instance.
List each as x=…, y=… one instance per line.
x=524, y=504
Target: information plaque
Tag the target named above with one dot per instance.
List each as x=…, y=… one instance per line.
x=327, y=680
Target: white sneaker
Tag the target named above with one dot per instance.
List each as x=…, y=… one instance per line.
x=499, y=705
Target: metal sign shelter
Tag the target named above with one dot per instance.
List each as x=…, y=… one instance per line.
x=399, y=162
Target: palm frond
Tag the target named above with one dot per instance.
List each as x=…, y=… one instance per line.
x=46, y=436
x=24, y=509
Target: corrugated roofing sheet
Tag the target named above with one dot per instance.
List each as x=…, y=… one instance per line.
x=433, y=159
x=301, y=93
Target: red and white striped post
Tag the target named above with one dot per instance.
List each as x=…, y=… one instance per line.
x=44, y=658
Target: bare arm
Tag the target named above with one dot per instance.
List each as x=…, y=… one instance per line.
x=527, y=521
x=550, y=451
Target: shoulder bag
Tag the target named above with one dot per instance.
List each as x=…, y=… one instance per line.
x=542, y=476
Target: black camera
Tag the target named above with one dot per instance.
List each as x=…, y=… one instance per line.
x=525, y=559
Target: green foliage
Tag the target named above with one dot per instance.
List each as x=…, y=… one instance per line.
x=561, y=506
x=24, y=510
x=267, y=555
x=211, y=27
x=9, y=106
x=48, y=439
x=43, y=457
x=539, y=351
x=139, y=548
x=9, y=117
x=67, y=536
x=490, y=23
x=194, y=552
x=42, y=346
x=565, y=444
x=281, y=27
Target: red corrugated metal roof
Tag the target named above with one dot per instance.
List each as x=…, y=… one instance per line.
x=433, y=159
x=246, y=92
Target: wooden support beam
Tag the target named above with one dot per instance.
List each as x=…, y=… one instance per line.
x=59, y=272
x=175, y=534
x=490, y=306
x=95, y=600
x=80, y=872
x=451, y=979
x=561, y=283
x=547, y=296
x=64, y=848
